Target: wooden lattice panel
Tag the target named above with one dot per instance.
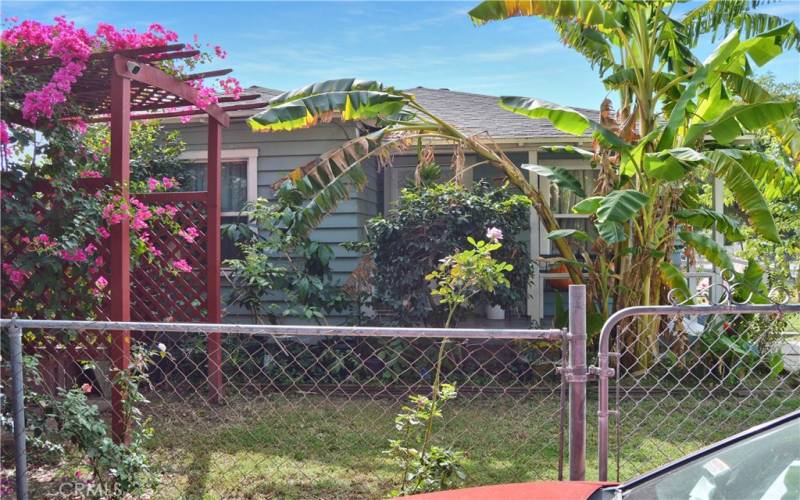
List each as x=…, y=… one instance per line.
x=159, y=295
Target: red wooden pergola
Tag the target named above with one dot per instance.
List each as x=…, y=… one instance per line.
x=118, y=87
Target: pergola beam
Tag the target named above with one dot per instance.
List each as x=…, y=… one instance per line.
x=154, y=77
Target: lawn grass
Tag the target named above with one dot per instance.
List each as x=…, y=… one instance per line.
x=310, y=446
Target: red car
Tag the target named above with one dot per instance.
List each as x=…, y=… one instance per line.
x=760, y=463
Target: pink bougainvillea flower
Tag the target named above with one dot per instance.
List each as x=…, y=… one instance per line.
x=101, y=283
x=182, y=265
x=190, y=234
x=152, y=184
x=99, y=261
x=90, y=174
x=42, y=239
x=73, y=255
x=494, y=234
x=90, y=249
x=86, y=388
x=168, y=183
x=103, y=232
x=171, y=210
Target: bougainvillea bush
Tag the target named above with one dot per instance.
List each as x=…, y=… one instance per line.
x=58, y=206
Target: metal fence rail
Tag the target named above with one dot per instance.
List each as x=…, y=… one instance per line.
x=686, y=376
x=306, y=411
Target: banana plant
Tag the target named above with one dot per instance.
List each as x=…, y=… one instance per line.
x=680, y=122
x=397, y=120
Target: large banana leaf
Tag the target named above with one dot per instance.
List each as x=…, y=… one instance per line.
x=620, y=206
x=774, y=178
x=714, y=16
x=340, y=85
x=708, y=248
x=303, y=112
x=786, y=131
x=731, y=124
x=611, y=232
x=730, y=166
x=585, y=12
x=563, y=118
x=705, y=218
x=558, y=176
x=672, y=164
x=329, y=179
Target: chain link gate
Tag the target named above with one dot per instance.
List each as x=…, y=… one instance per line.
x=308, y=411
x=688, y=375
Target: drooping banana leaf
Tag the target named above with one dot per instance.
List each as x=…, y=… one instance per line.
x=306, y=111
x=731, y=124
x=708, y=248
x=340, y=85
x=585, y=12
x=557, y=176
x=774, y=178
x=715, y=16
x=676, y=280
x=786, y=131
x=705, y=218
x=563, y=118
x=328, y=180
x=564, y=233
x=729, y=165
x=583, y=153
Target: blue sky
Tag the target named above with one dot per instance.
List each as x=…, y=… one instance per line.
x=284, y=45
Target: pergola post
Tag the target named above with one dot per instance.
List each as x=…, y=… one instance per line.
x=213, y=250
x=120, y=249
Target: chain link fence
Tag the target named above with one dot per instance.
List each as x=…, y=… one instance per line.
x=687, y=376
x=305, y=412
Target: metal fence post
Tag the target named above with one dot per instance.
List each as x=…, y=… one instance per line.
x=18, y=403
x=577, y=377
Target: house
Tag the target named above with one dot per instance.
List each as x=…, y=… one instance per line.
x=252, y=162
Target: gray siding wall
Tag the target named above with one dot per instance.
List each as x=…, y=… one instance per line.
x=279, y=153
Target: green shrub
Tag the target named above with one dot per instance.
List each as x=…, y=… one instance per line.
x=432, y=222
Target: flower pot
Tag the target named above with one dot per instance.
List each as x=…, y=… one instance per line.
x=561, y=284
x=495, y=312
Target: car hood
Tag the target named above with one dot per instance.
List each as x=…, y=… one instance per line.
x=544, y=490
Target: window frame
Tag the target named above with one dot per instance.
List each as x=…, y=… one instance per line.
x=230, y=155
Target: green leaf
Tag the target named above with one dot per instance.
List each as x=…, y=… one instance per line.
x=611, y=232
x=731, y=124
x=672, y=164
x=586, y=12
x=329, y=180
x=732, y=165
x=705, y=218
x=563, y=233
x=565, y=119
x=583, y=153
x=677, y=115
x=558, y=176
x=327, y=86
x=708, y=248
x=587, y=206
x=676, y=280
x=620, y=206
x=307, y=111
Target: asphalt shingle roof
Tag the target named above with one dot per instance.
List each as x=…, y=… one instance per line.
x=471, y=113
x=480, y=113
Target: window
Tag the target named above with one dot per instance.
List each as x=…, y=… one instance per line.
x=238, y=183
x=562, y=200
